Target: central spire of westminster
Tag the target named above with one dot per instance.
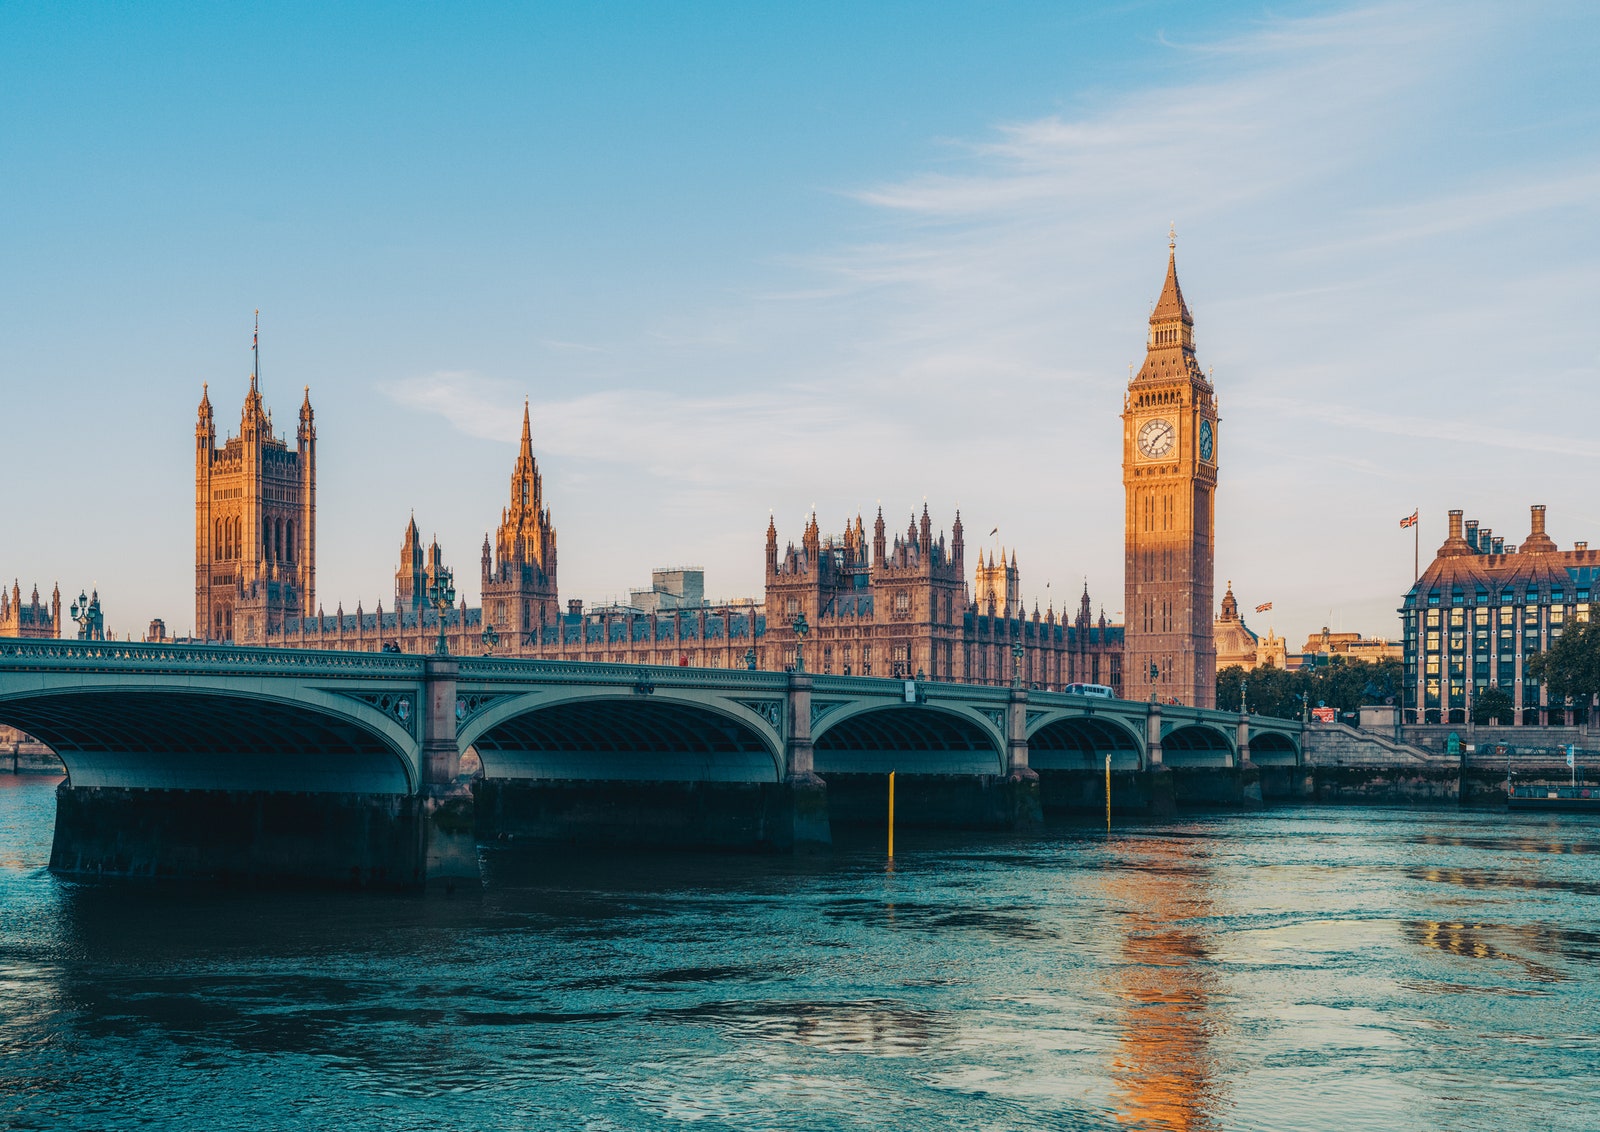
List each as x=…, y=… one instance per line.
x=519, y=578
x=1169, y=474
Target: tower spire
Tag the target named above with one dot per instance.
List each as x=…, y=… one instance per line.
x=1170, y=307
x=255, y=351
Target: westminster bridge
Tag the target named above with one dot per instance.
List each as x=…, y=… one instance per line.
x=347, y=767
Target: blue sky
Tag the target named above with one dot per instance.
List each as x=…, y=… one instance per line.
x=751, y=257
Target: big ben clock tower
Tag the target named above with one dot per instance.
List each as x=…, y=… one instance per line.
x=1169, y=474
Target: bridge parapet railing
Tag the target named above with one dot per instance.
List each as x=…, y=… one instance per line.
x=21, y=654
x=494, y=669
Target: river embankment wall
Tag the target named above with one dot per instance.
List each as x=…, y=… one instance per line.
x=1361, y=767
x=22, y=754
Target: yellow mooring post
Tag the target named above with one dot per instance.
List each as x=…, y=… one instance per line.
x=1108, y=793
x=891, y=815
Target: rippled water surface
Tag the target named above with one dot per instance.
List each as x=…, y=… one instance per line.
x=1301, y=969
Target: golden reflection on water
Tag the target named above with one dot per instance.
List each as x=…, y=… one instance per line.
x=1163, y=1065
x=1504, y=942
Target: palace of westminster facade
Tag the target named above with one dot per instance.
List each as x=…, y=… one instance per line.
x=870, y=604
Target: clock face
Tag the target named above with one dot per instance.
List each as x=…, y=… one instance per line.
x=1156, y=437
x=1206, y=441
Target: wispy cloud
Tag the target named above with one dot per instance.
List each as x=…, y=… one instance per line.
x=1454, y=431
x=706, y=442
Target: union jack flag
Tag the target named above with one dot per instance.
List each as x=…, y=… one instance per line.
x=1263, y=607
x=1409, y=521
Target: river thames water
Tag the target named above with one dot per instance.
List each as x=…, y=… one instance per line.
x=1297, y=969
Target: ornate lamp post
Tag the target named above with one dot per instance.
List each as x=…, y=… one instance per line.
x=801, y=628
x=1155, y=674
x=86, y=612
x=490, y=639
x=1016, y=665
x=1244, y=682
x=442, y=595
x=750, y=659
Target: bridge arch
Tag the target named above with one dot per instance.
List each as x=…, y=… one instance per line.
x=1274, y=748
x=621, y=736
x=1197, y=744
x=124, y=733
x=908, y=738
x=1074, y=742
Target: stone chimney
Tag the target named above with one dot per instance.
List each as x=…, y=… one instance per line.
x=1537, y=542
x=1455, y=545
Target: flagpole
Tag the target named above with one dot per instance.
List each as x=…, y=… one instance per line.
x=1416, y=546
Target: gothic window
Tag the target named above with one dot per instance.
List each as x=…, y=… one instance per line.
x=216, y=547
x=902, y=601
x=288, y=534
x=792, y=606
